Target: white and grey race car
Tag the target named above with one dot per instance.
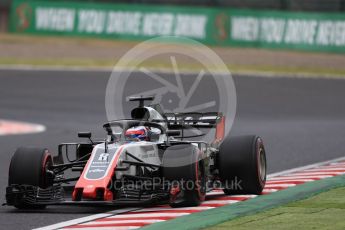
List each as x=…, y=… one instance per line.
x=143, y=160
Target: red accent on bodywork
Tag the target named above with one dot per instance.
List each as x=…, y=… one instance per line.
x=220, y=130
x=90, y=187
x=137, y=132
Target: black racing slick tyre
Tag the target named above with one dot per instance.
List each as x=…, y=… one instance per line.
x=242, y=165
x=183, y=166
x=29, y=166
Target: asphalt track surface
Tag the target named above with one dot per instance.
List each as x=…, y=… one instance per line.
x=302, y=121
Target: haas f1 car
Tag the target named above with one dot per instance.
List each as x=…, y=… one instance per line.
x=145, y=160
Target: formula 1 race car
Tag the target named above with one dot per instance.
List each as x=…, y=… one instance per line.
x=144, y=160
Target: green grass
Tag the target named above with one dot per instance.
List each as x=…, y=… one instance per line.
x=323, y=211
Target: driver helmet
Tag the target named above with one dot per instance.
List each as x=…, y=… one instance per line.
x=139, y=133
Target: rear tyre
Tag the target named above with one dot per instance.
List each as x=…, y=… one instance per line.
x=30, y=166
x=242, y=165
x=182, y=165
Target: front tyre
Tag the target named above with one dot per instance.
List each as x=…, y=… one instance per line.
x=30, y=166
x=242, y=165
x=184, y=166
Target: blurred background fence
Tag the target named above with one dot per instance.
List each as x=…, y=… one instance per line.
x=286, y=5
x=316, y=25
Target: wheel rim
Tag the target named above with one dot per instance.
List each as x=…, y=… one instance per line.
x=262, y=164
x=46, y=167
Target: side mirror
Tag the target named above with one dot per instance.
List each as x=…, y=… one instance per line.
x=84, y=135
x=173, y=133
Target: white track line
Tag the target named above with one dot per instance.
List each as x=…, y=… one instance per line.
x=149, y=221
x=275, y=180
x=305, y=167
x=322, y=169
x=86, y=219
x=269, y=186
x=220, y=201
x=269, y=190
x=263, y=74
x=134, y=215
x=313, y=177
x=215, y=193
x=315, y=173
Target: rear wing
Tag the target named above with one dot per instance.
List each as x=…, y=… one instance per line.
x=196, y=120
x=193, y=120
